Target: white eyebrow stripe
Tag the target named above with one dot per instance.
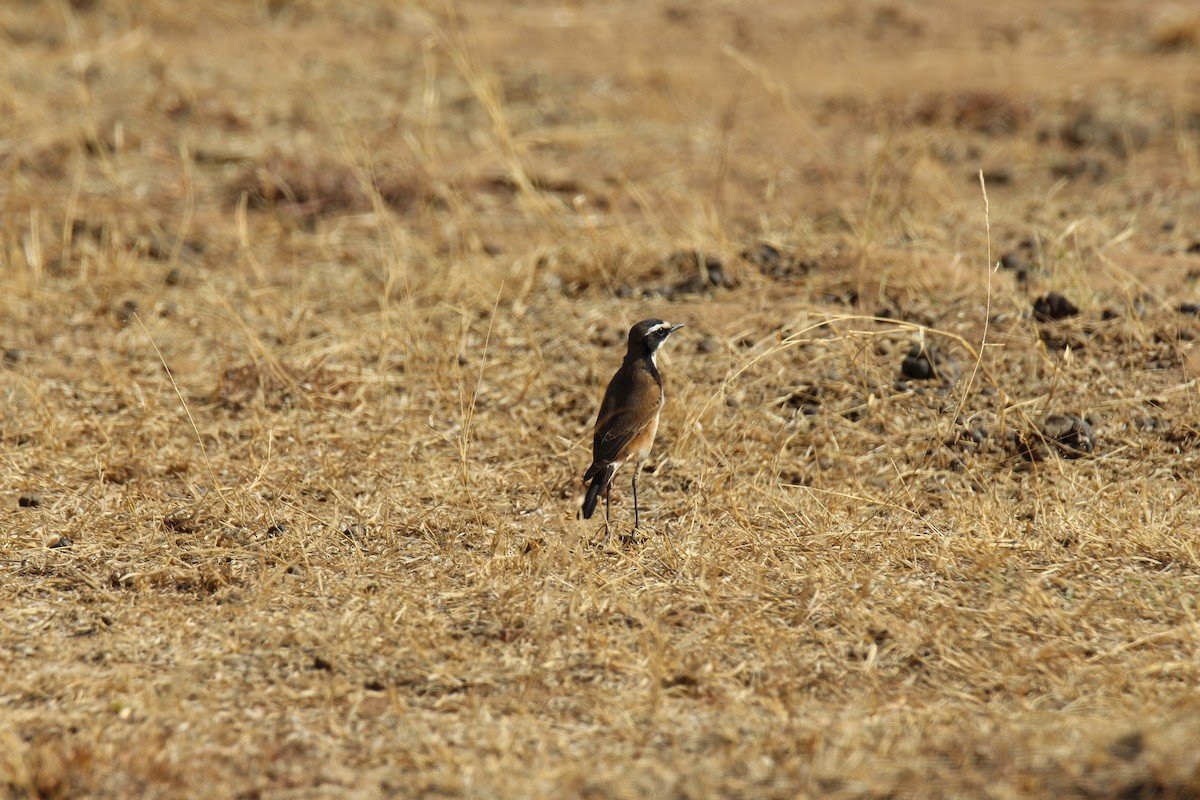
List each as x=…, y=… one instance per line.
x=658, y=327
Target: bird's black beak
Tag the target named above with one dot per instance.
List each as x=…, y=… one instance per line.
x=676, y=327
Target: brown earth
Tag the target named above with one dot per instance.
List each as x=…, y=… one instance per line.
x=308, y=305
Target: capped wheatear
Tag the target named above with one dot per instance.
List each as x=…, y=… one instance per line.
x=628, y=418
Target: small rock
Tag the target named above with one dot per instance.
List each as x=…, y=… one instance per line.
x=763, y=255
x=60, y=540
x=795, y=479
x=994, y=176
x=919, y=364
x=707, y=346
x=806, y=398
x=1088, y=128
x=971, y=437
x=774, y=263
x=13, y=356
x=845, y=297
x=1013, y=261
x=1086, y=167
x=127, y=312
x=703, y=272
x=1072, y=435
x=1190, y=308
x=29, y=500
x=276, y=529
x=1053, y=306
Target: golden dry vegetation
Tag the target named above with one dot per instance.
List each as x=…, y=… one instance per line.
x=307, y=308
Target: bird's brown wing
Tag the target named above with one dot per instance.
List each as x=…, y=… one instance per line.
x=630, y=406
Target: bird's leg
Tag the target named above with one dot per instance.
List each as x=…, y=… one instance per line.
x=636, y=470
x=607, y=510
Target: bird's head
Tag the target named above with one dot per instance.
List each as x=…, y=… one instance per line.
x=648, y=335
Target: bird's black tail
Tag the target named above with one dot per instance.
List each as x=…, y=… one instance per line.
x=600, y=478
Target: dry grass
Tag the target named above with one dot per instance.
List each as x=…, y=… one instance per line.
x=306, y=311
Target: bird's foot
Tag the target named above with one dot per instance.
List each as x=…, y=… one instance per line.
x=633, y=537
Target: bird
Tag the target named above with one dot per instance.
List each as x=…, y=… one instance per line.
x=628, y=417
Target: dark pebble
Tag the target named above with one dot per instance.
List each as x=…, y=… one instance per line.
x=774, y=263
x=276, y=530
x=1012, y=261
x=1086, y=167
x=919, y=364
x=763, y=255
x=1073, y=435
x=806, y=397
x=716, y=274
x=998, y=176
x=849, y=297
x=975, y=435
x=127, y=312
x=30, y=500
x=1190, y=308
x=702, y=272
x=795, y=479
x=1053, y=306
